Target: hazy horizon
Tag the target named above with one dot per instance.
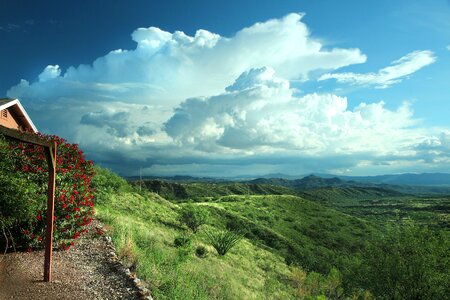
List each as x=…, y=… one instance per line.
x=276, y=175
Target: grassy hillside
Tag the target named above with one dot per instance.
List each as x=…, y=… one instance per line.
x=323, y=245
x=284, y=235
x=385, y=206
x=303, y=232
x=144, y=229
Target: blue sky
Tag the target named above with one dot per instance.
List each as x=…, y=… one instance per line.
x=236, y=87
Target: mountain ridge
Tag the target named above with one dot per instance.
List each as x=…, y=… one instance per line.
x=412, y=179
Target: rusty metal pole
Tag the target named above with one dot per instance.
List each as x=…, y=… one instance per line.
x=51, y=160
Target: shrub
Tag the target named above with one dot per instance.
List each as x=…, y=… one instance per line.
x=18, y=201
x=18, y=196
x=201, y=251
x=410, y=262
x=236, y=224
x=182, y=240
x=193, y=216
x=107, y=182
x=74, y=196
x=223, y=241
x=317, y=286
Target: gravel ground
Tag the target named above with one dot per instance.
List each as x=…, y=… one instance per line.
x=89, y=271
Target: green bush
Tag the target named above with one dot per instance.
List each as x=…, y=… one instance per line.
x=19, y=201
x=236, y=224
x=106, y=182
x=182, y=240
x=193, y=216
x=201, y=251
x=409, y=262
x=317, y=286
x=223, y=241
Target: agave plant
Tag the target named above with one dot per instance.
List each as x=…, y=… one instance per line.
x=223, y=241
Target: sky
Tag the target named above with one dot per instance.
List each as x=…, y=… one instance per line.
x=236, y=88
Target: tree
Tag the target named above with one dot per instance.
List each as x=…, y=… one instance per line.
x=193, y=216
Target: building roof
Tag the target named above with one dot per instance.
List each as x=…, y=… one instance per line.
x=5, y=100
x=14, y=105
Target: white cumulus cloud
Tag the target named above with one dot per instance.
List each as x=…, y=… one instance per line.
x=387, y=76
x=436, y=149
x=214, y=105
x=50, y=72
x=259, y=113
x=170, y=67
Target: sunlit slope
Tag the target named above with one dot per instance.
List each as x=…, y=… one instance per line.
x=144, y=228
x=281, y=231
x=306, y=233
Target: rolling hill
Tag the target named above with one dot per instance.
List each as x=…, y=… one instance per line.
x=282, y=233
x=201, y=191
x=299, y=241
x=421, y=179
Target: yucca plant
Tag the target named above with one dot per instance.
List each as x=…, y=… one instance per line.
x=223, y=241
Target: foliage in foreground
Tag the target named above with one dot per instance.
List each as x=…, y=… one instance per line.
x=18, y=202
x=318, y=286
x=25, y=179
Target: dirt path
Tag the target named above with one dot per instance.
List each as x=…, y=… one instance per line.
x=85, y=272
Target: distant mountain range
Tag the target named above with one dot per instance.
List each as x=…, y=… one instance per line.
x=424, y=179
x=414, y=179
x=308, y=182
x=417, y=184
x=319, y=179
x=182, y=178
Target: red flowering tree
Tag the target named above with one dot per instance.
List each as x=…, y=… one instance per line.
x=74, y=196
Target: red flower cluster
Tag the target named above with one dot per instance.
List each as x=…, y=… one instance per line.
x=74, y=197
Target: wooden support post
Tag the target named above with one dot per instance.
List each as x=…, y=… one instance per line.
x=51, y=160
x=50, y=153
